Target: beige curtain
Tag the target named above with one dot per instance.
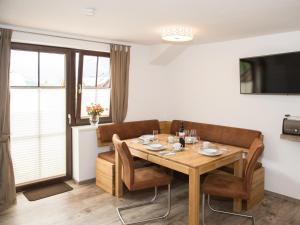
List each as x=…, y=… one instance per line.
x=119, y=64
x=7, y=180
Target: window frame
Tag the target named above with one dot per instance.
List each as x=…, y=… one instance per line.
x=73, y=92
x=69, y=85
x=42, y=49
x=71, y=101
x=82, y=53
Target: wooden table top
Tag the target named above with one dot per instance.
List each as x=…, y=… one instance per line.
x=190, y=156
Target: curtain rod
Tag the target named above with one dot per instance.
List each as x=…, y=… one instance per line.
x=57, y=35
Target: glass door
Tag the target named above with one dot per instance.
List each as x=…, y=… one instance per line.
x=38, y=113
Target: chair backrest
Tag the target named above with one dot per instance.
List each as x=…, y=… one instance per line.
x=127, y=160
x=255, y=151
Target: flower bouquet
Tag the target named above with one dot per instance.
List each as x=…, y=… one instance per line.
x=94, y=111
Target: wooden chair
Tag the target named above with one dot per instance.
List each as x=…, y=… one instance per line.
x=105, y=163
x=138, y=179
x=231, y=186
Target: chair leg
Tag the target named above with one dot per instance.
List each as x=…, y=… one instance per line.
x=164, y=216
x=155, y=194
x=203, y=209
x=220, y=211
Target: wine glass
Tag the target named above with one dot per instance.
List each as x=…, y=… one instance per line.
x=186, y=133
x=193, y=134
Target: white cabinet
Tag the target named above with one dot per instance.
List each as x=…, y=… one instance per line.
x=85, y=151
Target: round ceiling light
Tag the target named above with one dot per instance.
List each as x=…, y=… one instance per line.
x=177, y=34
x=89, y=11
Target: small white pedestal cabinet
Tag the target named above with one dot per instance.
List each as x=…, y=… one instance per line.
x=85, y=151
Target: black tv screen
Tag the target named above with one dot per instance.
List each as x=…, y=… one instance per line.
x=272, y=74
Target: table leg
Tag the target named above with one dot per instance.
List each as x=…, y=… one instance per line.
x=194, y=197
x=238, y=171
x=118, y=174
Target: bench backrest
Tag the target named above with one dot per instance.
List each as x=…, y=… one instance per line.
x=221, y=134
x=125, y=130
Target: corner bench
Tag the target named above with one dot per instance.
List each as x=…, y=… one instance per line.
x=214, y=133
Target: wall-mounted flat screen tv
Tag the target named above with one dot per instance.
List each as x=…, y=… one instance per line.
x=272, y=74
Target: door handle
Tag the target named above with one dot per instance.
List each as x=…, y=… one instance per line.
x=69, y=119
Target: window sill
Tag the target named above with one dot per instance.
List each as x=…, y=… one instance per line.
x=86, y=122
x=86, y=127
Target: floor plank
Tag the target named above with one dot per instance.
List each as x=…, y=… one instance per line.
x=87, y=204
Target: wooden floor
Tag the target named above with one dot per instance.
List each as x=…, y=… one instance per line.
x=89, y=205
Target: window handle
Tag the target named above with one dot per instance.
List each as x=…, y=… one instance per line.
x=79, y=89
x=70, y=119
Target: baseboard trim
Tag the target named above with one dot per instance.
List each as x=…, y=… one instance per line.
x=277, y=195
x=93, y=180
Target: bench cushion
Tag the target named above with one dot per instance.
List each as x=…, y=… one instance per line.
x=127, y=130
x=108, y=156
x=221, y=134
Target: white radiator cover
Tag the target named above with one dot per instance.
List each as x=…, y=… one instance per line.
x=85, y=151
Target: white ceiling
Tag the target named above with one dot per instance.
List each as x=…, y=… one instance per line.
x=140, y=21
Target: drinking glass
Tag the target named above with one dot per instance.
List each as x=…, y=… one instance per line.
x=176, y=137
x=186, y=133
x=196, y=140
x=193, y=134
x=155, y=135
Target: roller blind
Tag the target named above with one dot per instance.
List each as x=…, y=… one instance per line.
x=38, y=114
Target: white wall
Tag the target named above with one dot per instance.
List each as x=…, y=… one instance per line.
x=205, y=87
x=145, y=99
x=147, y=87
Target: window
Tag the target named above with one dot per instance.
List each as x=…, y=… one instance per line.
x=93, y=84
x=47, y=86
x=38, y=114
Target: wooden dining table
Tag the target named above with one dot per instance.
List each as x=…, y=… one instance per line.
x=190, y=162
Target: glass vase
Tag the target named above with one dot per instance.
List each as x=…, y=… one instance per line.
x=94, y=120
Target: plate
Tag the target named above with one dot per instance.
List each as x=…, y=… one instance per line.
x=190, y=140
x=144, y=141
x=147, y=137
x=177, y=150
x=156, y=147
x=211, y=151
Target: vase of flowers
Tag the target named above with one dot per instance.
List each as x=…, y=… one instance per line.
x=94, y=111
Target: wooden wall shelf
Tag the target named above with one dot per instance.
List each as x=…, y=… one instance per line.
x=290, y=137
